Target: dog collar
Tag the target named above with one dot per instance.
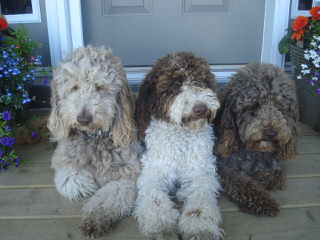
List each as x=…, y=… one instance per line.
x=100, y=134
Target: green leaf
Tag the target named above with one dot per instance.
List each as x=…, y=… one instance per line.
x=284, y=44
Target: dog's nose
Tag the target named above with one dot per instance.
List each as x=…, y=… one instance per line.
x=84, y=118
x=269, y=133
x=200, y=110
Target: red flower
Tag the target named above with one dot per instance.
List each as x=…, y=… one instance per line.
x=297, y=35
x=3, y=24
x=299, y=23
x=315, y=13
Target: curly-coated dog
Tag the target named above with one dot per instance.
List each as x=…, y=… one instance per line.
x=97, y=157
x=256, y=128
x=176, y=105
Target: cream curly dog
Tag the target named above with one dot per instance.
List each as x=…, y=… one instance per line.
x=176, y=104
x=97, y=157
x=256, y=128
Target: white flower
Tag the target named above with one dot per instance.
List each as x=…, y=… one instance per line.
x=315, y=78
x=313, y=44
x=299, y=77
x=317, y=38
x=305, y=71
x=304, y=66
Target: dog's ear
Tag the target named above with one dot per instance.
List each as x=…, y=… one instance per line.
x=227, y=130
x=144, y=105
x=290, y=150
x=123, y=131
x=55, y=125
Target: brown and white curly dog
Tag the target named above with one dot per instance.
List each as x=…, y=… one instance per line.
x=256, y=129
x=176, y=105
x=97, y=157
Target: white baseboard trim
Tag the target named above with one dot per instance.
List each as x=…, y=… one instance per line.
x=223, y=73
x=135, y=75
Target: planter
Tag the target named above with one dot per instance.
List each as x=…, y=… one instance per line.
x=309, y=103
x=296, y=56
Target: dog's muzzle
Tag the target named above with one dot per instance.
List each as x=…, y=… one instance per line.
x=200, y=111
x=269, y=134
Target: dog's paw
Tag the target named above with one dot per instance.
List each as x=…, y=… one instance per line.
x=200, y=224
x=262, y=206
x=92, y=228
x=156, y=215
x=269, y=208
x=75, y=184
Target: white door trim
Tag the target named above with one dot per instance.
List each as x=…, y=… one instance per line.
x=66, y=34
x=64, y=27
x=275, y=24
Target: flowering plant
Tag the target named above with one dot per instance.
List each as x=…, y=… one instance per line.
x=305, y=33
x=7, y=154
x=302, y=31
x=310, y=69
x=17, y=66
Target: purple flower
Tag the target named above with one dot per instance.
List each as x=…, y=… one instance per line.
x=318, y=91
x=6, y=115
x=16, y=162
x=34, y=135
x=0, y=152
x=7, y=141
x=45, y=81
x=7, y=128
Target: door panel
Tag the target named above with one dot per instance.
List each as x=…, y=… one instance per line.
x=142, y=31
x=204, y=6
x=126, y=7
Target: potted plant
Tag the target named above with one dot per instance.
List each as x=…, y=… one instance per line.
x=17, y=68
x=303, y=41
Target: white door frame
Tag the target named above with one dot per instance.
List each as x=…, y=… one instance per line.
x=66, y=34
x=64, y=27
x=276, y=20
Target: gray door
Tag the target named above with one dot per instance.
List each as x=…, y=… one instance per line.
x=142, y=31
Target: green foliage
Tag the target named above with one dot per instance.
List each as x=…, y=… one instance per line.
x=284, y=44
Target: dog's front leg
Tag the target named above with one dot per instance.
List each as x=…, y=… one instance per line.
x=154, y=210
x=112, y=202
x=73, y=183
x=247, y=193
x=201, y=216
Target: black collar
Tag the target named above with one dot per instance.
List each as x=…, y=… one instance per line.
x=100, y=134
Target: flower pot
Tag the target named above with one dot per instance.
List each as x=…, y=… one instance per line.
x=309, y=103
x=21, y=115
x=297, y=56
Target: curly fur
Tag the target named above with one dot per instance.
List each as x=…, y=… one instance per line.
x=164, y=83
x=102, y=170
x=259, y=98
x=178, y=160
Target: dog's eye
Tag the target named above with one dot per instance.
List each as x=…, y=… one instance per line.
x=74, y=88
x=99, y=87
x=255, y=106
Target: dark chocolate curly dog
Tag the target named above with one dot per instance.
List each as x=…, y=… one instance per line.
x=256, y=129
